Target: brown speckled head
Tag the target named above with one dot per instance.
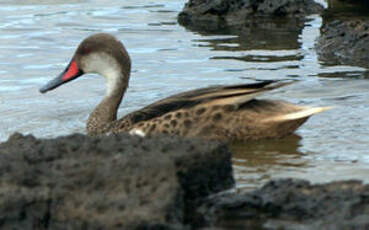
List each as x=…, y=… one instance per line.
x=101, y=53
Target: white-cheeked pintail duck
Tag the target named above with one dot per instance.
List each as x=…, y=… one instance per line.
x=229, y=113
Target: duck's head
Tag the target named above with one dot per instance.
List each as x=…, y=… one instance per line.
x=99, y=53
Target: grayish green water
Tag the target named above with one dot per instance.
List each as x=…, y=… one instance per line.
x=38, y=37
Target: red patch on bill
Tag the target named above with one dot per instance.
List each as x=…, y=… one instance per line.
x=71, y=72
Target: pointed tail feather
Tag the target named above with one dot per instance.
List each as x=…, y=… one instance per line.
x=304, y=113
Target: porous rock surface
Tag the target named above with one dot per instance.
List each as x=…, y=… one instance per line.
x=114, y=182
x=123, y=182
x=292, y=204
x=344, y=41
x=217, y=14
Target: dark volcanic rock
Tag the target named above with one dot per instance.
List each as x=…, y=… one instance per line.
x=125, y=182
x=345, y=42
x=218, y=14
x=292, y=204
x=115, y=182
x=359, y=2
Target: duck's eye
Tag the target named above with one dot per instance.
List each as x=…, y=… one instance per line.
x=85, y=50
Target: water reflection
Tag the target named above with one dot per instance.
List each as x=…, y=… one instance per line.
x=263, y=33
x=39, y=2
x=288, y=43
x=347, y=74
x=262, y=58
x=256, y=162
x=269, y=48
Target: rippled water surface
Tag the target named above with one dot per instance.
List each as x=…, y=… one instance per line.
x=38, y=37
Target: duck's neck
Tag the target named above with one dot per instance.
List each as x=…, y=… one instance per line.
x=106, y=112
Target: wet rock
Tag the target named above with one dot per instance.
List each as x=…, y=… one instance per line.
x=341, y=9
x=115, y=182
x=332, y=2
x=291, y=204
x=344, y=42
x=213, y=15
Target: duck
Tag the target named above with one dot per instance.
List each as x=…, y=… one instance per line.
x=224, y=112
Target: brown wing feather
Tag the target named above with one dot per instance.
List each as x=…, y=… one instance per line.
x=212, y=95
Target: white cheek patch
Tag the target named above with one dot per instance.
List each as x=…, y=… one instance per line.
x=137, y=132
x=106, y=66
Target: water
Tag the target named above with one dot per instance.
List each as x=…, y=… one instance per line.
x=38, y=37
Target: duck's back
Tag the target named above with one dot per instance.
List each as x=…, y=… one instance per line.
x=223, y=113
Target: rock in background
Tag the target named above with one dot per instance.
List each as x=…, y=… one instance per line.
x=220, y=14
x=345, y=42
x=344, y=36
x=257, y=24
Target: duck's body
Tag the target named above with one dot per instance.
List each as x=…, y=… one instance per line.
x=209, y=114
x=224, y=112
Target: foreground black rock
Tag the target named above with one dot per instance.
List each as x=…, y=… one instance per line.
x=219, y=14
x=115, y=182
x=292, y=204
x=124, y=182
x=345, y=41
